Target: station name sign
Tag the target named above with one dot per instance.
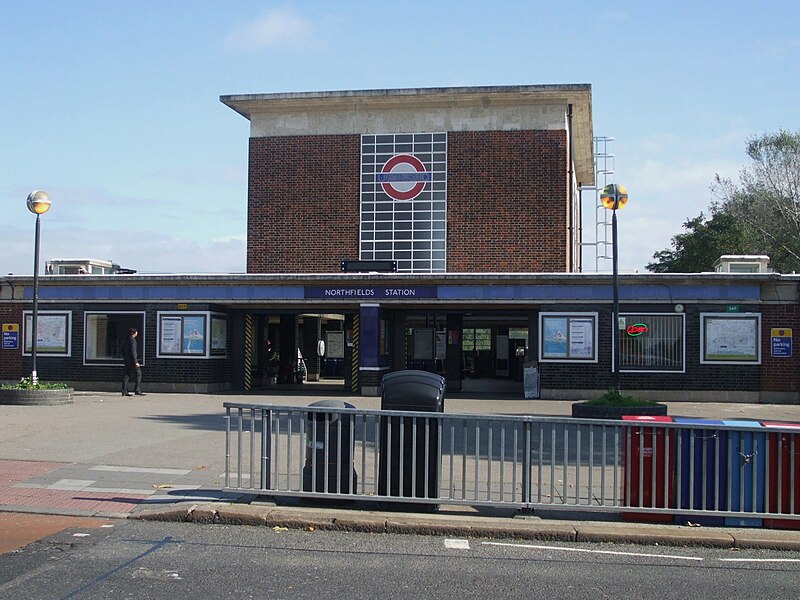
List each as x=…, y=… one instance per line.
x=382, y=292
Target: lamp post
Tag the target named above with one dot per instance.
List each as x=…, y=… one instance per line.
x=38, y=204
x=614, y=197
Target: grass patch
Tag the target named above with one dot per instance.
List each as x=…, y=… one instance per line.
x=613, y=397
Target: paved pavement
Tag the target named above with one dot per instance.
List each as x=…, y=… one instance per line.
x=161, y=456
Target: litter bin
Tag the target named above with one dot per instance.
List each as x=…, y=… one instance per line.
x=747, y=461
x=702, y=469
x=783, y=449
x=329, y=450
x=648, y=466
x=409, y=446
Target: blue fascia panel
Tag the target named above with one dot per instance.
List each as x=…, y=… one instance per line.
x=136, y=293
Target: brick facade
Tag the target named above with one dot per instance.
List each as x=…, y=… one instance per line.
x=507, y=202
x=779, y=373
x=303, y=203
x=304, y=215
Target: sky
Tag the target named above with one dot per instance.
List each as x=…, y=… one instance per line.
x=113, y=107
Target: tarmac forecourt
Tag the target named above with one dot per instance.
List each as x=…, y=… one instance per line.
x=161, y=457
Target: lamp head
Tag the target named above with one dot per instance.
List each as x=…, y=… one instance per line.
x=38, y=202
x=614, y=196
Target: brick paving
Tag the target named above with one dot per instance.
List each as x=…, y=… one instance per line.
x=15, y=497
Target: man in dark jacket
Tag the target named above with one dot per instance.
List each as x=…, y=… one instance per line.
x=130, y=356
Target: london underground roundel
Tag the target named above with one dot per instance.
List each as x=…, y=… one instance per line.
x=403, y=177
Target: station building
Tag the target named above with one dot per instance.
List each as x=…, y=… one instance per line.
x=436, y=229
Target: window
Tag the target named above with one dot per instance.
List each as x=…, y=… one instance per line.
x=744, y=268
x=105, y=332
x=568, y=337
x=652, y=342
x=187, y=335
x=730, y=339
x=476, y=339
x=53, y=333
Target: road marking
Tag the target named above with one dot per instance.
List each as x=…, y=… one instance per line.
x=765, y=560
x=587, y=551
x=456, y=544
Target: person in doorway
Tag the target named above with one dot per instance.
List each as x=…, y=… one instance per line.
x=130, y=356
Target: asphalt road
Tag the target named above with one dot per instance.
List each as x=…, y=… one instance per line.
x=172, y=560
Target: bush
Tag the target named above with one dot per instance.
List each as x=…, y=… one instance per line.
x=613, y=397
x=26, y=384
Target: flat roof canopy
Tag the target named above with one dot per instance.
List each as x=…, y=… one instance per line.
x=488, y=108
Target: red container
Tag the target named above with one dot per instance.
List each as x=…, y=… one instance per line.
x=643, y=448
x=783, y=447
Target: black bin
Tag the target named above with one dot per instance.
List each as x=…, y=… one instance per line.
x=329, y=450
x=416, y=477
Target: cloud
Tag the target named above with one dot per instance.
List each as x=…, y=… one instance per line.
x=147, y=252
x=277, y=27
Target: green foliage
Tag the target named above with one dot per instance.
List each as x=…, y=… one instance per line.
x=758, y=215
x=613, y=397
x=703, y=243
x=26, y=384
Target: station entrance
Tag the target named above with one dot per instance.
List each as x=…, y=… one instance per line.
x=476, y=352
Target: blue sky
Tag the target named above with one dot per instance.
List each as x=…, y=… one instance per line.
x=113, y=107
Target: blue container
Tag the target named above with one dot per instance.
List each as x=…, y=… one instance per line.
x=702, y=468
x=747, y=459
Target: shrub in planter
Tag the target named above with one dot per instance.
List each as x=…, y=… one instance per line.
x=612, y=405
x=40, y=393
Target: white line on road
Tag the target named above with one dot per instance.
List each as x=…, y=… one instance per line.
x=456, y=544
x=764, y=560
x=587, y=551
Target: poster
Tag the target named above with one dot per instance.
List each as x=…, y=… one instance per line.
x=530, y=372
x=51, y=333
x=555, y=337
x=194, y=335
x=581, y=338
x=731, y=339
x=219, y=335
x=424, y=345
x=334, y=346
x=170, y=335
x=441, y=345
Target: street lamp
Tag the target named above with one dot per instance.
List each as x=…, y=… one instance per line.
x=38, y=204
x=615, y=197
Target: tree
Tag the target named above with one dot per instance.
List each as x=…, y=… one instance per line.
x=703, y=243
x=760, y=215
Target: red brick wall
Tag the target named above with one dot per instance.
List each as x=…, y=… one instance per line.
x=779, y=374
x=303, y=203
x=507, y=202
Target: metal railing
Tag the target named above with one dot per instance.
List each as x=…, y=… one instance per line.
x=726, y=471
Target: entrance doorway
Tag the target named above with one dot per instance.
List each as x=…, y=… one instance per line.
x=492, y=349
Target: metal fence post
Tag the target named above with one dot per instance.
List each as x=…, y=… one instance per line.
x=526, y=465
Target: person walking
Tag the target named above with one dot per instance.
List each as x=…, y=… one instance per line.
x=130, y=356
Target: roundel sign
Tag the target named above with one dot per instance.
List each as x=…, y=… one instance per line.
x=403, y=177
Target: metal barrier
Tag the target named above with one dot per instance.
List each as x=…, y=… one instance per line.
x=737, y=473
